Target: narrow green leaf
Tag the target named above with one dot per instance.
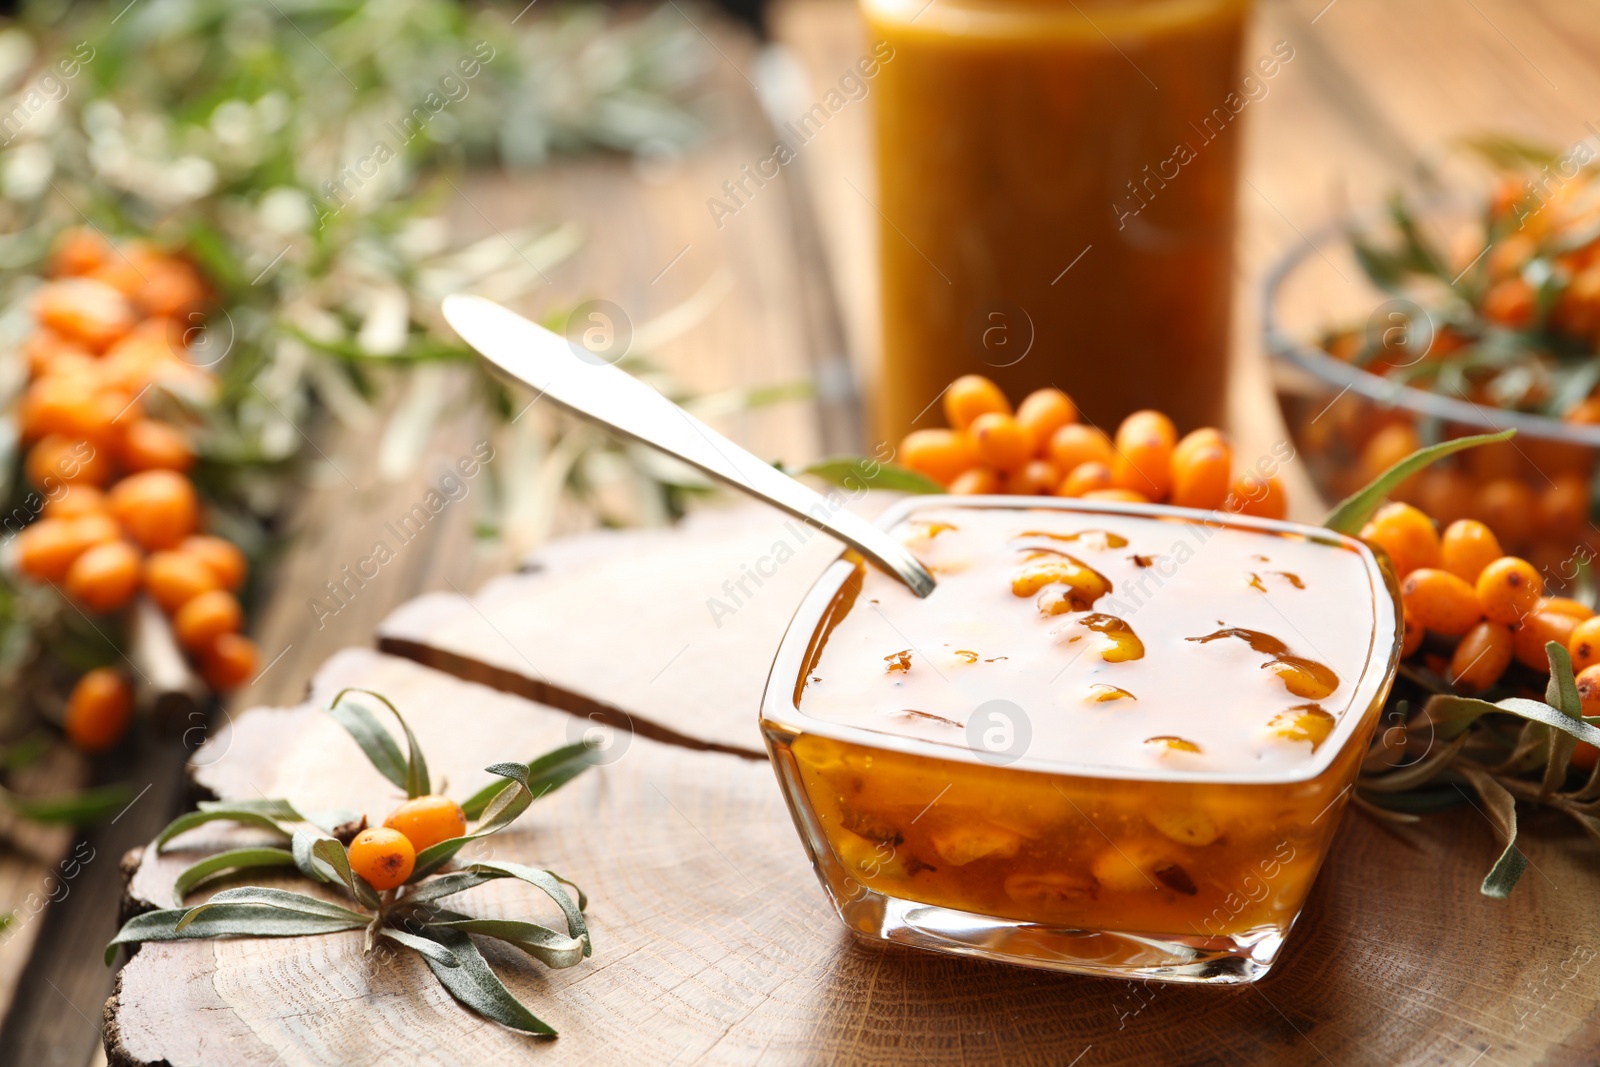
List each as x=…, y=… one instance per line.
x=1414, y=774
x=415, y=779
x=1561, y=693
x=1354, y=511
x=228, y=920
x=241, y=814
x=374, y=741
x=1502, y=812
x=555, y=950
x=322, y=858
x=431, y=950
x=237, y=859
x=476, y=987
x=857, y=473
x=552, y=885
x=1453, y=714
x=545, y=775
x=281, y=899
x=444, y=885
x=72, y=809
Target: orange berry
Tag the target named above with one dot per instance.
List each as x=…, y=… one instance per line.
x=174, y=578
x=87, y=310
x=383, y=857
x=1117, y=495
x=169, y=286
x=230, y=662
x=1000, y=441
x=1406, y=534
x=1511, y=302
x=1564, y=505
x=1564, y=605
x=205, y=618
x=972, y=395
x=222, y=556
x=158, y=508
x=1042, y=413
x=979, y=481
x=1261, y=497
x=47, y=549
x=428, y=820
x=1085, y=478
x=1539, y=628
x=1076, y=443
x=1411, y=640
x=1507, y=506
x=1467, y=547
x=151, y=445
x=1201, y=472
x=76, y=502
x=1143, y=460
x=1384, y=449
x=1038, y=477
x=98, y=710
x=1481, y=658
x=1509, y=589
x=1440, y=601
x=1585, y=755
x=78, y=250
x=1445, y=493
x=46, y=350
x=104, y=577
x=67, y=404
x=58, y=460
x=1584, y=644
x=940, y=454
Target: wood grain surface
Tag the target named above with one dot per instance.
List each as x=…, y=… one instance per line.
x=714, y=943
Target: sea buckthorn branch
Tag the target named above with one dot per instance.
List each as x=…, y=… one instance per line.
x=393, y=874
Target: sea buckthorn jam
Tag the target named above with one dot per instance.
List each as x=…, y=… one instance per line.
x=1113, y=739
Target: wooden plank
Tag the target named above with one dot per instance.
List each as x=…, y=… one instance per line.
x=714, y=943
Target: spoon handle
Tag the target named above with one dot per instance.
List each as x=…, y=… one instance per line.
x=586, y=384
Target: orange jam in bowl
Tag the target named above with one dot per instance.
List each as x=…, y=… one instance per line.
x=1116, y=739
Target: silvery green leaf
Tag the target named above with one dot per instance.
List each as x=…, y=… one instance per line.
x=237, y=859
x=1353, y=512
x=476, y=986
x=554, y=950
x=858, y=473
x=229, y=920
x=268, y=815
x=1561, y=693
x=410, y=774
x=552, y=884
x=543, y=776
x=1502, y=812
x=430, y=950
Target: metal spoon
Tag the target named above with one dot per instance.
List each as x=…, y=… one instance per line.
x=586, y=384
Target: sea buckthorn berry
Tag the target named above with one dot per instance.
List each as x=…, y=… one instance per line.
x=205, y=618
x=1481, y=657
x=1441, y=602
x=1411, y=640
x=1445, y=493
x=229, y=662
x=1038, y=477
x=940, y=454
x=46, y=549
x=979, y=481
x=1085, y=478
x=1000, y=441
x=1205, y=437
x=1563, y=605
x=76, y=502
x=45, y=349
x=1116, y=494
x=1407, y=535
x=224, y=558
x=95, y=528
x=1143, y=460
x=85, y=309
x=1509, y=588
x=169, y=286
x=1539, y=628
x=57, y=460
x=1584, y=644
x=105, y=577
x=383, y=857
x=1467, y=547
x=1585, y=755
x=1564, y=504
x=1200, y=475
x=428, y=820
x=1507, y=506
x=175, y=578
x=1260, y=497
x=1511, y=302
x=78, y=250
x=151, y=445
x=1076, y=444
x=158, y=508
x=98, y=710
x=1043, y=412
x=972, y=395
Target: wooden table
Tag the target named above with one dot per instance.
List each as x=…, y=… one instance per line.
x=1400, y=960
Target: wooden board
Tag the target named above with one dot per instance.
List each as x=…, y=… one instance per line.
x=714, y=943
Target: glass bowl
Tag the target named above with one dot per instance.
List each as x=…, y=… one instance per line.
x=1348, y=424
x=1158, y=807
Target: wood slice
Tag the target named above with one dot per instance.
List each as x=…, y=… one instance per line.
x=714, y=943
x=666, y=633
